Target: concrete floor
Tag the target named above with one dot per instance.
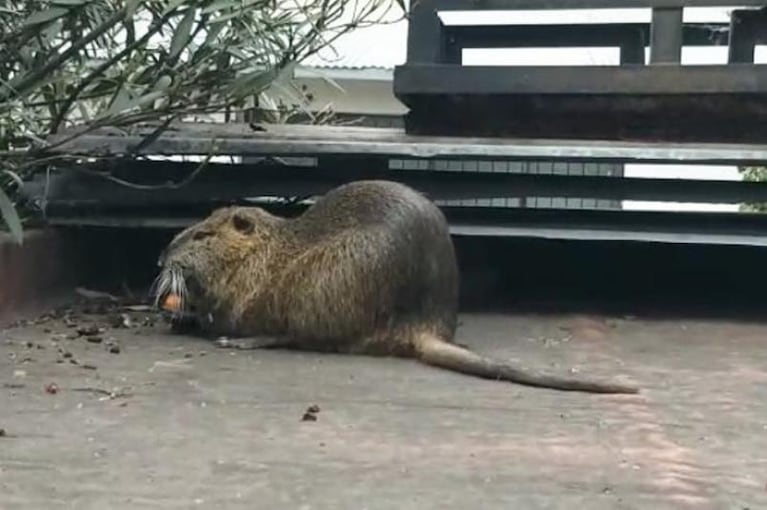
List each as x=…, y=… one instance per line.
x=193, y=426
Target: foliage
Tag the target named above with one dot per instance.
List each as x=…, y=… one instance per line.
x=116, y=63
x=754, y=174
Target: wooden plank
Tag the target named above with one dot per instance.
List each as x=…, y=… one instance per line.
x=613, y=80
x=564, y=35
x=295, y=140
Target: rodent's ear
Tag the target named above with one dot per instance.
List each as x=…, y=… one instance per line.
x=242, y=223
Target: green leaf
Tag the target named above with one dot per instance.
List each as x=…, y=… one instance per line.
x=121, y=100
x=172, y=6
x=11, y=217
x=163, y=82
x=53, y=30
x=14, y=177
x=253, y=82
x=130, y=7
x=70, y=2
x=225, y=17
x=39, y=17
x=220, y=5
x=182, y=35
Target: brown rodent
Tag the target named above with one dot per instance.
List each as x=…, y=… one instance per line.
x=369, y=268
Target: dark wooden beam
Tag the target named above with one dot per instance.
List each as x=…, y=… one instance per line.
x=611, y=80
x=603, y=34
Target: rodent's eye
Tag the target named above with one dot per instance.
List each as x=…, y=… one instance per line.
x=242, y=224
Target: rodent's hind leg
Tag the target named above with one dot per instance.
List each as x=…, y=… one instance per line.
x=251, y=343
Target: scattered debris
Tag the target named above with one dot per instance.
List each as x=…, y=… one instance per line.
x=173, y=364
x=19, y=373
x=88, y=366
x=122, y=320
x=108, y=395
x=139, y=308
x=311, y=413
x=223, y=342
x=13, y=386
x=309, y=417
x=96, y=295
x=91, y=330
x=51, y=388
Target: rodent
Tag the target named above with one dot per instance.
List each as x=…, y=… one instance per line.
x=369, y=268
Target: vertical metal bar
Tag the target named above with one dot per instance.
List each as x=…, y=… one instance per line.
x=666, y=35
x=425, y=35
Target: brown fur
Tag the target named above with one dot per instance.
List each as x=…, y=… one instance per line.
x=370, y=268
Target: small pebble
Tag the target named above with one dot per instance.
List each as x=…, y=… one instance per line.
x=88, y=330
x=114, y=349
x=51, y=388
x=95, y=339
x=3, y=433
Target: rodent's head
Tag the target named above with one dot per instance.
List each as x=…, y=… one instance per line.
x=204, y=255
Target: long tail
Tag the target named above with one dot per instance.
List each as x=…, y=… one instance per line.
x=436, y=352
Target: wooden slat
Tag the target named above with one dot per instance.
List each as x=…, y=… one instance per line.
x=673, y=228
x=196, y=138
x=613, y=80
